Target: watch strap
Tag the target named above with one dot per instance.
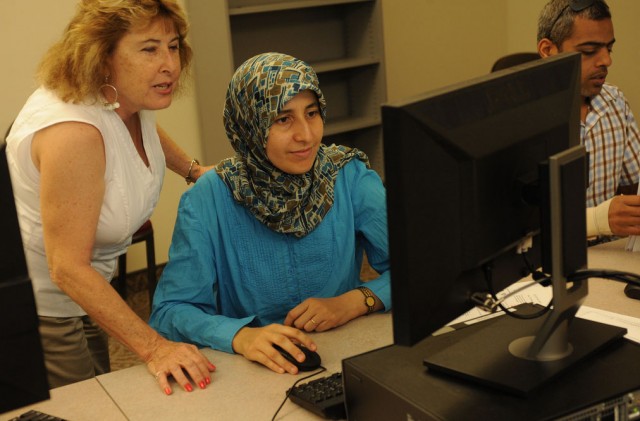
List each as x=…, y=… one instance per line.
x=369, y=299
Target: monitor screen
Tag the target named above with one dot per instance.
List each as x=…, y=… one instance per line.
x=468, y=189
x=458, y=161
x=23, y=378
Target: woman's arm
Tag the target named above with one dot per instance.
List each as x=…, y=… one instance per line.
x=186, y=304
x=71, y=161
x=177, y=159
x=370, y=221
x=370, y=205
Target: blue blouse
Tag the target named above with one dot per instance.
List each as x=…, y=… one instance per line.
x=227, y=270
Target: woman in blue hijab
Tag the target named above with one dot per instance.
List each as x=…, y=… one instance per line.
x=270, y=244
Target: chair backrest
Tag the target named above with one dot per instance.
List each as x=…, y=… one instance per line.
x=513, y=59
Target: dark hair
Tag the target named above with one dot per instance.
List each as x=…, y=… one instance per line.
x=557, y=17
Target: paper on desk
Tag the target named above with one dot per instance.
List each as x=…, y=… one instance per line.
x=537, y=294
x=632, y=324
x=534, y=294
x=633, y=243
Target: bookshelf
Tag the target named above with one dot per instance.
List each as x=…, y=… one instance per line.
x=341, y=39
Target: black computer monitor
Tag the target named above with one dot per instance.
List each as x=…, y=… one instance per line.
x=23, y=378
x=476, y=173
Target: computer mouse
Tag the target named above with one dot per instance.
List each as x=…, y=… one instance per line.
x=311, y=358
x=632, y=291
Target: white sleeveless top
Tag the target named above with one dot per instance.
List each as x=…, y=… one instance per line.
x=131, y=189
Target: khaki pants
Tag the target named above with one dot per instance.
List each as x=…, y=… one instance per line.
x=75, y=349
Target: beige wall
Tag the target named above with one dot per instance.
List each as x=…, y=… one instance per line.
x=625, y=70
x=428, y=44
x=434, y=43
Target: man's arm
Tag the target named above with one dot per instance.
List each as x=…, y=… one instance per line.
x=619, y=215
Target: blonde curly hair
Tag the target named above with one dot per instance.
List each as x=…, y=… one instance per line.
x=75, y=67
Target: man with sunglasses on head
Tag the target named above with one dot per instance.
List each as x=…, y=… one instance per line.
x=608, y=129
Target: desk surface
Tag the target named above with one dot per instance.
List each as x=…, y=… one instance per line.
x=609, y=295
x=244, y=390
x=239, y=389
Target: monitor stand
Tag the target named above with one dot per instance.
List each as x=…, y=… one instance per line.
x=520, y=355
x=483, y=353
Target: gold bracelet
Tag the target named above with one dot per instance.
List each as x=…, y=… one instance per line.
x=188, y=178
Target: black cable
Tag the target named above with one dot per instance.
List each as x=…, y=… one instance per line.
x=545, y=280
x=488, y=274
x=615, y=275
x=539, y=276
x=322, y=369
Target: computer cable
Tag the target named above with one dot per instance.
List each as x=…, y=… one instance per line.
x=544, y=279
x=320, y=370
x=615, y=275
x=537, y=275
x=497, y=302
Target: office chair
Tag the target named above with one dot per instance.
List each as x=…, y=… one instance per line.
x=144, y=233
x=513, y=60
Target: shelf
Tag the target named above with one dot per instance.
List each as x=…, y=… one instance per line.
x=341, y=39
x=343, y=64
x=276, y=6
x=345, y=31
x=367, y=139
x=342, y=125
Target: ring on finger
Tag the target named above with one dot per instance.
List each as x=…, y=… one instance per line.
x=157, y=375
x=314, y=322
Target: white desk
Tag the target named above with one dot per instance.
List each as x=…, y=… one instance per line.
x=244, y=390
x=609, y=295
x=81, y=401
x=239, y=389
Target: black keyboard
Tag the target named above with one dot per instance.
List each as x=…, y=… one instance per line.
x=323, y=397
x=34, y=415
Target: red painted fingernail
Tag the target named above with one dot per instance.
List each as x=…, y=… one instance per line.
x=211, y=366
x=202, y=385
x=167, y=391
x=188, y=387
x=208, y=380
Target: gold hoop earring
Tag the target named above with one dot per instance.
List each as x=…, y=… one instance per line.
x=105, y=103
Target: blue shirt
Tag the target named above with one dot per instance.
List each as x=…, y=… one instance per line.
x=227, y=270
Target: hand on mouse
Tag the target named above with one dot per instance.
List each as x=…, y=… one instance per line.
x=256, y=344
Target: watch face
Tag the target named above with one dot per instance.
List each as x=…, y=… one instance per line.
x=370, y=301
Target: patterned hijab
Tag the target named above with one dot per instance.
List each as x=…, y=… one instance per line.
x=286, y=203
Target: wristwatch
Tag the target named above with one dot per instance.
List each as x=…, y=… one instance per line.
x=369, y=299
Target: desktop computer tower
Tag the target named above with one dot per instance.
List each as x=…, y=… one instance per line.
x=392, y=383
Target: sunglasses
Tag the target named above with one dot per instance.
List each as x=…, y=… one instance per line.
x=576, y=6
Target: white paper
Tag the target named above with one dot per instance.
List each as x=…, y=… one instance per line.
x=537, y=294
x=631, y=323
